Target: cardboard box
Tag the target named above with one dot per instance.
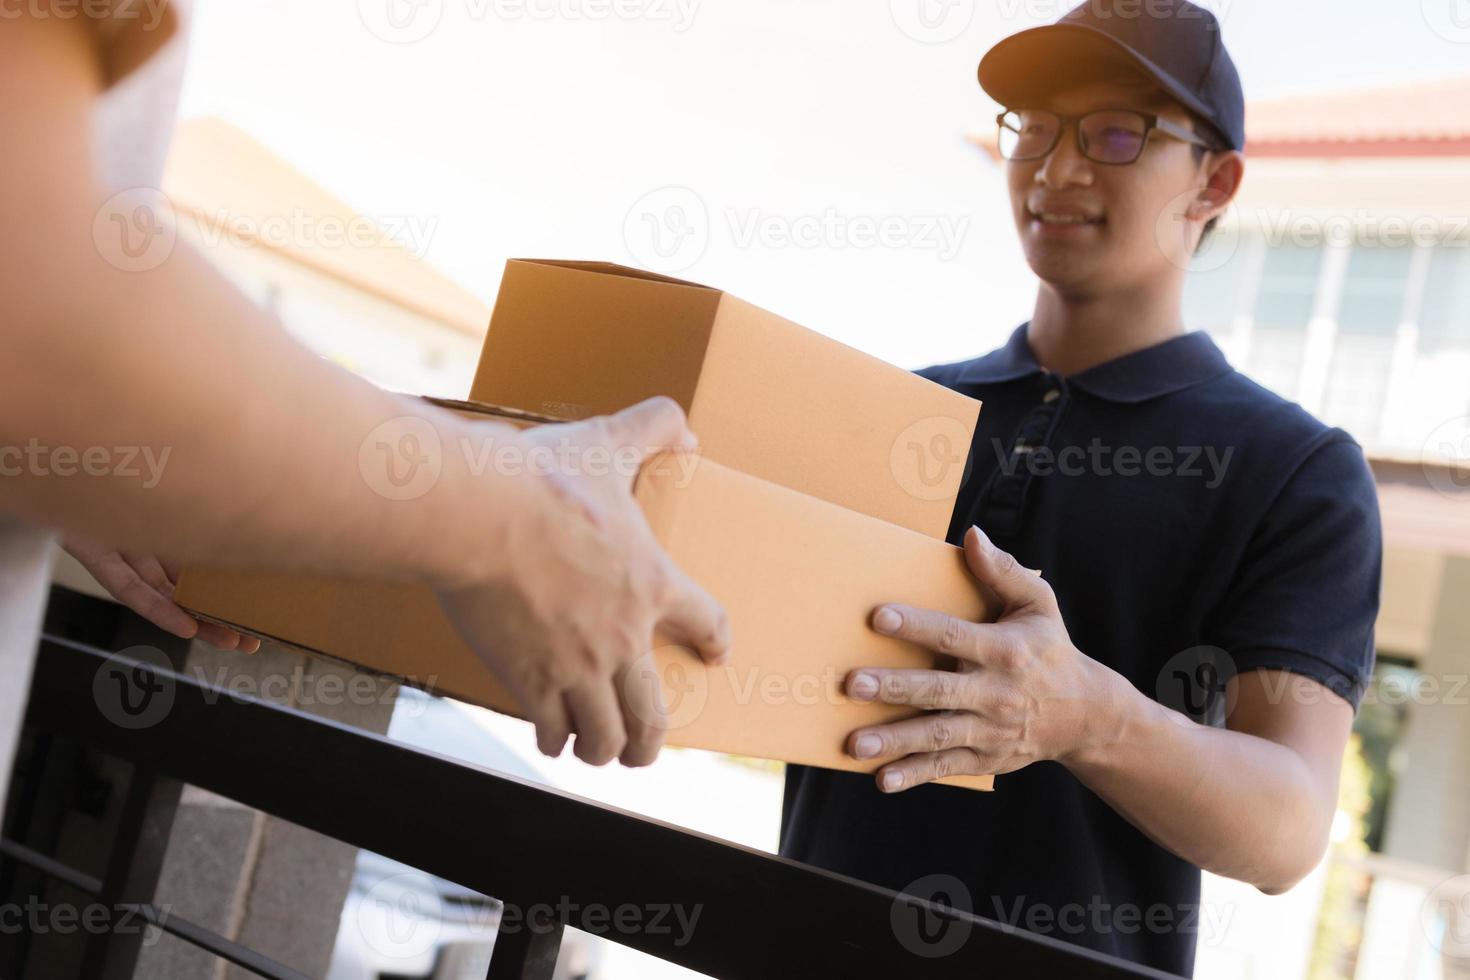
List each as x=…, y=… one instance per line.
x=798, y=576
x=766, y=396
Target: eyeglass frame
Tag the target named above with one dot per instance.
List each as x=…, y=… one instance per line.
x=1153, y=121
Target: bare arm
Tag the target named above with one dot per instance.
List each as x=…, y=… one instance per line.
x=553, y=578
x=1254, y=802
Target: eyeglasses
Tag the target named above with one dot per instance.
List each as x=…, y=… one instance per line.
x=1111, y=136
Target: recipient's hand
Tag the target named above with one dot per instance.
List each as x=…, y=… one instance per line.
x=1020, y=694
x=585, y=586
x=145, y=584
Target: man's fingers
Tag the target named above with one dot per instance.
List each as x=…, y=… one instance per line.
x=931, y=629
x=657, y=423
x=934, y=689
x=150, y=570
x=644, y=715
x=933, y=732
x=119, y=578
x=553, y=727
x=1016, y=586
x=693, y=618
x=915, y=770
x=597, y=718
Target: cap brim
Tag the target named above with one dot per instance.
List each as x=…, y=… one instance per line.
x=1036, y=63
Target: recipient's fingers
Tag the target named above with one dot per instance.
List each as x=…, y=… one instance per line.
x=597, y=718
x=120, y=579
x=693, y=618
x=643, y=712
x=657, y=423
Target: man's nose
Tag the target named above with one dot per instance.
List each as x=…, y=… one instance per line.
x=1066, y=165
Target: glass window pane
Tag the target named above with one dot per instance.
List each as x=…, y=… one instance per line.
x=1283, y=309
x=1213, y=296
x=1373, y=295
x=1444, y=323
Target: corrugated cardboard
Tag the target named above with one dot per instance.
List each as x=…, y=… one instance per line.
x=766, y=396
x=798, y=576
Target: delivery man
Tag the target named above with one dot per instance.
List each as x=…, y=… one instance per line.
x=1168, y=588
x=553, y=578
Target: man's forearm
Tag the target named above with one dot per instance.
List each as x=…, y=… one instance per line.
x=261, y=435
x=1232, y=803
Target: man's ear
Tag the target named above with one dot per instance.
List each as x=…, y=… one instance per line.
x=1224, y=172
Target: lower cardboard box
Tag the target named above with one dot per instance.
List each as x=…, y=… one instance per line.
x=799, y=578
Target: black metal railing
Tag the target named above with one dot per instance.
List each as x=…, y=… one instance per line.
x=760, y=916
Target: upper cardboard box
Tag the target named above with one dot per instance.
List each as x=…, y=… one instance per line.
x=764, y=395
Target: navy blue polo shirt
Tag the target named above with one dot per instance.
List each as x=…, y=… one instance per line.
x=1191, y=523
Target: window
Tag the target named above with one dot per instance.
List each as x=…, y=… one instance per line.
x=1283, y=309
x=1444, y=324
x=1214, y=297
x=1368, y=320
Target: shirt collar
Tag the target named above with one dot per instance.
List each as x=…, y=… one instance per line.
x=1174, y=365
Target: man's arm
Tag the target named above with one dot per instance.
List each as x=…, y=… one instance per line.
x=1254, y=802
x=554, y=579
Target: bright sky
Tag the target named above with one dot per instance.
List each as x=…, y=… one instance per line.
x=535, y=128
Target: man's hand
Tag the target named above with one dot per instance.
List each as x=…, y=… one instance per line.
x=1021, y=692
x=145, y=584
x=584, y=586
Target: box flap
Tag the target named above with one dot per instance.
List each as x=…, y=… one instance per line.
x=612, y=269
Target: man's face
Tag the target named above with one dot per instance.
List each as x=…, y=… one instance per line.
x=1118, y=244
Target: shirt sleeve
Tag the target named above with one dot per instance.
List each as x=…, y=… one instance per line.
x=1306, y=595
x=129, y=32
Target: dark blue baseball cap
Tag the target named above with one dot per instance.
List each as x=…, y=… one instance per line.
x=1176, y=43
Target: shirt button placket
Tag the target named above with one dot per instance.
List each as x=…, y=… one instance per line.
x=1005, y=504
